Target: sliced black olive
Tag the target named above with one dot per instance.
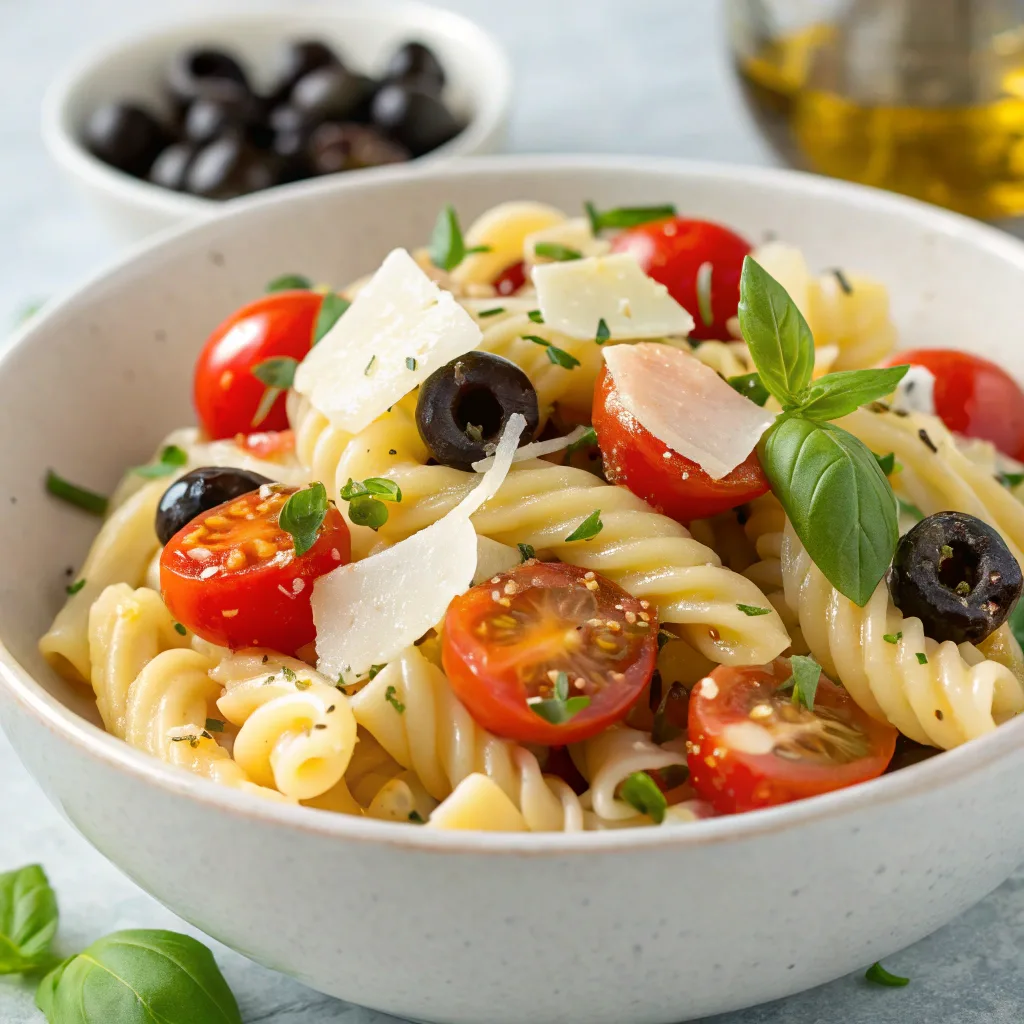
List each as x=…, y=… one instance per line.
x=205, y=71
x=230, y=167
x=956, y=574
x=170, y=169
x=199, y=491
x=418, y=121
x=298, y=58
x=416, y=65
x=463, y=407
x=346, y=147
x=125, y=136
x=333, y=93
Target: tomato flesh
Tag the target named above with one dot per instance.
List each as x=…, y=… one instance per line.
x=507, y=640
x=672, y=252
x=750, y=746
x=668, y=482
x=973, y=396
x=233, y=578
x=267, y=444
x=225, y=391
x=511, y=279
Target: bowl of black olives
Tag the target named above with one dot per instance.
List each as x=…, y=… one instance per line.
x=168, y=125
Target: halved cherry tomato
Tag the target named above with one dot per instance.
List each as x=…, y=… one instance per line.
x=668, y=482
x=506, y=643
x=267, y=444
x=232, y=576
x=511, y=279
x=672, y=251
x=225, y=392
x=751, y=746
x=973, y=397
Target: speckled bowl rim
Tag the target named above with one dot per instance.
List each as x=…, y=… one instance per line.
x=954, y=765
x=60, y=134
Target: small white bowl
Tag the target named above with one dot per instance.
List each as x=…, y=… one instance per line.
x=638, y=926
x=365, y=32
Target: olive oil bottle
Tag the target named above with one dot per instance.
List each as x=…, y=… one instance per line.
x=924, y=97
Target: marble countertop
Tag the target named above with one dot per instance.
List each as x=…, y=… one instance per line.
x=641, y=76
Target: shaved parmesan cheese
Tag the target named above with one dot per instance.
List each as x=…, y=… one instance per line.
x=368, y=611
x=400, y=328
x=686, y=405
x=576, y=295
x=916, y=392
x=494, y=558
x=478, y=804
x=574, y=234
x=535, y=449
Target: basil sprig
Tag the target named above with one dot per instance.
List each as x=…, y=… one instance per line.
x=366, y=500
x=137, y=977
x=28, y=920
x=829, y=483
x=303, y=514
x=447, y=247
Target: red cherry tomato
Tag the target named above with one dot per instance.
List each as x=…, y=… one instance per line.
x=510, y=643
x=511, y=279
x=668, y=482
x=237, y=582
x=751, y=746
x=973, y=397
x=672, y=251
x=267, y=444
x=225, y=392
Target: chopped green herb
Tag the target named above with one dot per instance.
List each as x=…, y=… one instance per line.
x=907, y=508
x=1010, y=480
x=491, y=312
x=288, y=283
x=526, y=552
x=74, y=588
x=278, y=373
x=603, y=333
x=886, y=463
x=639, y=790
x=171, y=458
x=288, y=673
x=390, y=696
x=626, y=216
x=447, y=248
x=586, y=440
x=180, y=629
x=331, y=309
x=893, y=638
x=707, y=314
x=369, y=366
x=843, y=282
x=753, y=609
x=589, y=528
x=365, y=500
x=922, y=659
x=536, y=316
x=749, y=385
x=214, y=725
x=963, y=588
x=662, y=730
x=560, y=707
x=474, y=433
x=804, y=679
x=410, y=363
x=557, y=355
x=375, y=670
x=416, y=818
x=555, y=251
x=303, y=514
x=880, y=976
x=90, y=501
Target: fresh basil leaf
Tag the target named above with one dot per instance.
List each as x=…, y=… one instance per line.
x=589, y=528
x=303, y=514
x=447, y=248
x=626, y=216
x=1010, y=480
x=837, y=499
x=753, y=610
x=28, y=919
x=839, y=394
x=139, y=977
x=81, y=497
x=588, y=439
x=330, y=312
x=880, y=976
x=908, y=508
x=776, y=333
x=526, y=552
x=557, y=711
x=365, y=510
x=289, y=283
x=276, y=372
x=555, y=251
x=804, y=678
x=886, y=463
x=749, y=385
x=640, y=791
x=352, y=489
x=383, y=488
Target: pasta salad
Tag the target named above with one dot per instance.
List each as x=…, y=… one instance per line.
x=561, y=523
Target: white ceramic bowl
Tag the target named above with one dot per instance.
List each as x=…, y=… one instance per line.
x=365, y=32
x=648, y=925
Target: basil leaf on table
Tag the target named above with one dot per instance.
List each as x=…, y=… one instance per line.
x=838, y=394
x=776, y=333
x=139, y=977
x=837, y=499
x=28, y=919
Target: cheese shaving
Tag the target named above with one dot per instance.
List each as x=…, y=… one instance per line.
x=535, y=449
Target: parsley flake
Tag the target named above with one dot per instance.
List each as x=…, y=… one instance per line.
x=536, y=316
x=922, y=659
x=589, y=528
x=602, y=334
x=410, y=363
x=180, y=629
x=369, y=366
x=843, y=281
x=557, y=355
x=74, y=588
x=893, y=638
x=392, y=699
x=214, y=725
x=753, y=610
x=484, y=313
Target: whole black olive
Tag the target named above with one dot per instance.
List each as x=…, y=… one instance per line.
x=125, y=136
x=230, y=167
x=464, y=405
x=199, y=491
x=346, y=147
x=418, y=121
x=415, y=64
x=298, y=58
x=333, y=93
x=170, y=169
x=207, y=118
x=956, y=574
x=205, y=71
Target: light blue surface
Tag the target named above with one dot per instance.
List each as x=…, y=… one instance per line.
x=640, y=76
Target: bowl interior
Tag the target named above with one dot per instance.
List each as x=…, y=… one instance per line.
x=95, y=382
